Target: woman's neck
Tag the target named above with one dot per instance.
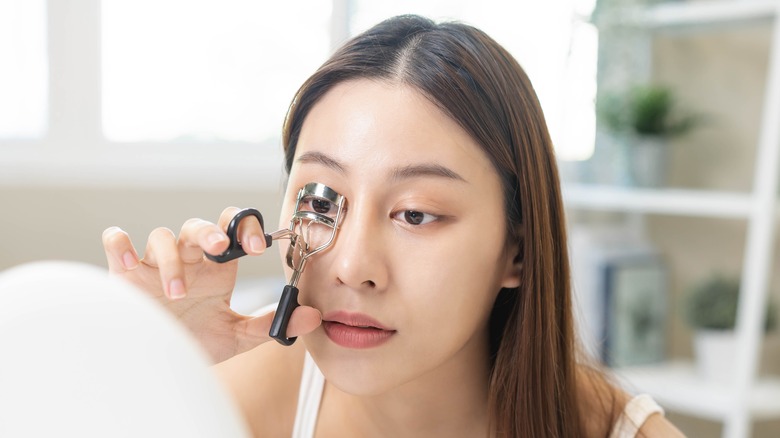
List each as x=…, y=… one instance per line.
x=450, y=400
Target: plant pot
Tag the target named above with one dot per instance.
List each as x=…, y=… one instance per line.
x=648, y=160
x=715, y=352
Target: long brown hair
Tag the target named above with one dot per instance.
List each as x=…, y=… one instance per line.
x=533, y=388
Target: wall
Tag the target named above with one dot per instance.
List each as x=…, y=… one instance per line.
x=67, y=223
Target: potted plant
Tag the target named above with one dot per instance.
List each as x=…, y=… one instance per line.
x=711, y=310
x=645, y=118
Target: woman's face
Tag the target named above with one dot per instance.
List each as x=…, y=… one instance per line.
x=421, y=251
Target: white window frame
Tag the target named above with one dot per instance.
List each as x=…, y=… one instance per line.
x=74, y=150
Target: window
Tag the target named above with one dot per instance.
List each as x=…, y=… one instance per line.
x=185, y=94
x=23, y=69
x=179, y=70
x=551, y=40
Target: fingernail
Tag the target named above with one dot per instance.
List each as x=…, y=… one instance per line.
x=129, y=260
x=176, y=289
x=256, y=245
x=216, y=238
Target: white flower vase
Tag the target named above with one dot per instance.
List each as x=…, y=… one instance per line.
x=715, y=351
x=648, y=160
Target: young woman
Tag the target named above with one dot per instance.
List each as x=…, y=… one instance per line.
x=443, y=307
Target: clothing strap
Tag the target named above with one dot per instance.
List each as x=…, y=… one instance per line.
x=309, y=397
x=634, y=415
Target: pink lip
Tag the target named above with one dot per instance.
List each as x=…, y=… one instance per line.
x=355, y=330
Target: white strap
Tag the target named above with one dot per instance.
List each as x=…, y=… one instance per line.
x=309, y=397
x=634, y=415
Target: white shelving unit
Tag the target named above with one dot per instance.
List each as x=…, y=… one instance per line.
x=676, y=385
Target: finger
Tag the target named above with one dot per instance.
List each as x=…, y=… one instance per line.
x=120, y=253
x=162, y=252
x=226, y=216
x=303, y=320
x=249, y=232
x=197, y=236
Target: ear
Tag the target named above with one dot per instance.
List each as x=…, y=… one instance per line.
x=513, y=266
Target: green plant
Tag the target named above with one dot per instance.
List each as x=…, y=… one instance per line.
x=712, y=305
x=649, y=110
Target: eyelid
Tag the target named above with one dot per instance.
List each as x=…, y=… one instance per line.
x=435, y=217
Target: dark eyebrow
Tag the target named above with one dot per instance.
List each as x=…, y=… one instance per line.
x=426, y=169
x=405, y=172
x=320, y=158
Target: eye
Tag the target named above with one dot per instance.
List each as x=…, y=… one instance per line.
x=413, y=217
x=318, y=205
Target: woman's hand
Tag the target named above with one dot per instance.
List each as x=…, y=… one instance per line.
x=197, y=290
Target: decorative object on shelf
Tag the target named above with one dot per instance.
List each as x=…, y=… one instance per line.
x=635, y=304
x=644, y=119
x=711, y=310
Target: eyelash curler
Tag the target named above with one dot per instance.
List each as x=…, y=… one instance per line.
x=304, y=243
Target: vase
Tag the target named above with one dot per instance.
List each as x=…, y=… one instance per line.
x=648, y=161
x=715, y=351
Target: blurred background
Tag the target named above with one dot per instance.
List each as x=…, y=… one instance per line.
x=664, y=116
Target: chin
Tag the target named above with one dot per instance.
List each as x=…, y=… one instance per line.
x=356, y=372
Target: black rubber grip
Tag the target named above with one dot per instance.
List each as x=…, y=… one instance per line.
x=235, y=250
x=287, y=303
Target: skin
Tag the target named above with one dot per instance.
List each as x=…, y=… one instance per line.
x=387, y=163
x=422, y=249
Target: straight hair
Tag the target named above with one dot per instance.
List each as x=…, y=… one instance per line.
x=476, y=82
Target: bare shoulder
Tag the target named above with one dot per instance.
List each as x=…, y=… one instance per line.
x=265, y=382
x=657, y=426
x=602, y=401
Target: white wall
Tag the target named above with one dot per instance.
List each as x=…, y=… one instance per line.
x=66, y=223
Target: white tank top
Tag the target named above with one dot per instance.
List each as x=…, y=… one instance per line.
x=634, y=415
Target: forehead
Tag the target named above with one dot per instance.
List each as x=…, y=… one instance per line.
x=374, y=124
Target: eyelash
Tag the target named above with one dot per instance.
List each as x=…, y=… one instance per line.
x=428, y=218
x=309, y=200
x=426, y=221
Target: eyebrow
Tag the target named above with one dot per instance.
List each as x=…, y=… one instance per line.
x=320, y=158
x=400, y=173
x=425, y=170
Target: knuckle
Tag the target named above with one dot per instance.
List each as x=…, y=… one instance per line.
x=194, y=224
x=193, y=221
x=161, y=233
x=113, y=236
x=229, y=212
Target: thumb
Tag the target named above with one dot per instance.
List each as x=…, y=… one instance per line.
x=303, y=320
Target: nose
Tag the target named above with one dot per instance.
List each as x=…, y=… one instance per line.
x=359, y=252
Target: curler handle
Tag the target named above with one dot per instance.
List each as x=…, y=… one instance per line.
x=235, y=250
x=287, y=303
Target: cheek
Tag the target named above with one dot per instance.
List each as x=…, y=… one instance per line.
x=452, y=284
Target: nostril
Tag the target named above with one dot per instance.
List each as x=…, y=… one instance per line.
x=370, y=283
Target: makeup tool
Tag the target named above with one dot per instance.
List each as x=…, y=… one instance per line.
x=312, y=229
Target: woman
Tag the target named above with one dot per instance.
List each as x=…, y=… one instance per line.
x=443, y=307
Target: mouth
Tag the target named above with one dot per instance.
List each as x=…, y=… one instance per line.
x=355, y=330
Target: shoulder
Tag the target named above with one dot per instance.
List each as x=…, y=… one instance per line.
x=265, y=382
x=602, y=403
x=657, y=426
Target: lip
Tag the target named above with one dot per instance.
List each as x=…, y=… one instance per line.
x=355, y=330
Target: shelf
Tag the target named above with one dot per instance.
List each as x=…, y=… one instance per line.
x=677, y=387
x=701, y=203
x=709, y=13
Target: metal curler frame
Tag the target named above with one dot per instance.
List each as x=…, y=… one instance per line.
x=299, y=245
